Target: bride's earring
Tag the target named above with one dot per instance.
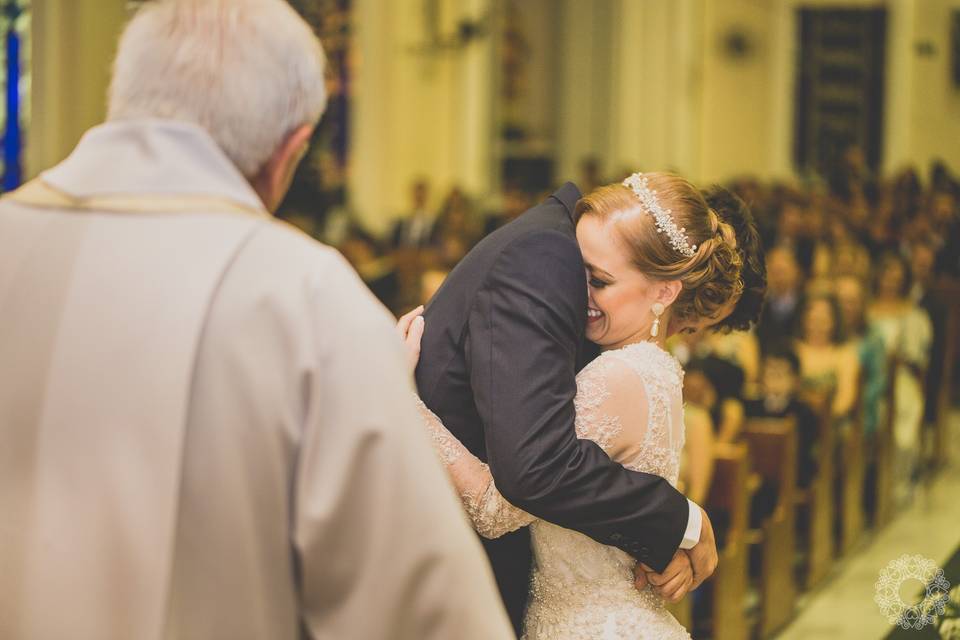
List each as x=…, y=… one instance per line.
x=657, y=309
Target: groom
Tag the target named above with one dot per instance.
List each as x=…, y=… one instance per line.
x=504, y=341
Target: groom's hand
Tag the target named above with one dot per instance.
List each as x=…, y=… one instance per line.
x=675, y=581
x=703, y=556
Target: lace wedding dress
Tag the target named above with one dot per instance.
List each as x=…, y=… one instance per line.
x=628, y=402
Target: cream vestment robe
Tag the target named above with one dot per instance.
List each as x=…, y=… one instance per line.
x=207, y=427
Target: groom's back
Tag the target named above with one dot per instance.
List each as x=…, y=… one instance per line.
x=468, y=316
x=443, y=377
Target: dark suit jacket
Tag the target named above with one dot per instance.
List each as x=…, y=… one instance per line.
x=500, y=353
x=399, y=235
x=778, y=325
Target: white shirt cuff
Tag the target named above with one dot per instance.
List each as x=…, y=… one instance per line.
x=692, y=535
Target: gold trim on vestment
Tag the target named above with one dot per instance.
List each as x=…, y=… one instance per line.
x=38, y=193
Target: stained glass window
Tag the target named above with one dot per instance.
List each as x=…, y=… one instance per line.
x=15, y=66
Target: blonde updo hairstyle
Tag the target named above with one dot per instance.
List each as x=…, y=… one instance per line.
x=710, y=278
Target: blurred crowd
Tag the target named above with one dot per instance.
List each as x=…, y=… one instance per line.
x=860, y=274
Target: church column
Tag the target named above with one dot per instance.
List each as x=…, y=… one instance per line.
x=419, y=109
x=655, y=109
x=586, y=52
x=73, y=44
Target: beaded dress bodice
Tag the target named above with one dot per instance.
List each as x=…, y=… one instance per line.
x=628, y=402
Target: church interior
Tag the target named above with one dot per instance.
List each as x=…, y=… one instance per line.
x=836, y=121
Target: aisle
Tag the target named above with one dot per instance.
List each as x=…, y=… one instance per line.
x=844, y=607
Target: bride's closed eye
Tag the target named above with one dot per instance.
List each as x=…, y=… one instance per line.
x=596, y=283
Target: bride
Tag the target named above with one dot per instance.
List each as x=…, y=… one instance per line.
x=656, y=256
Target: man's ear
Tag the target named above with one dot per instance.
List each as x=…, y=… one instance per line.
x=274, y=178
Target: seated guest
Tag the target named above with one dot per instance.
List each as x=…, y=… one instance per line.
x=784, y=297
x=869, y=346
x=907, y=333
x=417, y=228
x=514, y=201
x=696, y=461
x=716, y=386
x=779, y=398
x=456, y=231
x=923, y=294
x=828, y=367
x=377, y=271
x=792, y=229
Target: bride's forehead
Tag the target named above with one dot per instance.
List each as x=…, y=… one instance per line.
x=600, y=243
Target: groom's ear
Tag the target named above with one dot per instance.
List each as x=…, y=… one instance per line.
x=668, y=292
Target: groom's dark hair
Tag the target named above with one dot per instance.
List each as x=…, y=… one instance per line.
x=735, y=212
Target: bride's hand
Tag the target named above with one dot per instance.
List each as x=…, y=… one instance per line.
x=410, y=328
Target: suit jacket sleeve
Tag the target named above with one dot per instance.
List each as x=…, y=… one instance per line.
x=382, y=547
x=522, y=340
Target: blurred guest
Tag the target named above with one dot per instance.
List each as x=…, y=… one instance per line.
x=207, y=422
x=785, y=297
x=780, y=398
x=923, y=294
x=416, y=229
x=869, y=346
x=829, y=368
x=850, y=258
x=739, y=348
x=456, y=229
x=696, y=458
x=716, y=385
x=514, y=201
x=792, y=231
x=907, y=193
x=907, y=333
x=945, y=211
x=590, y=176
x=376, y=268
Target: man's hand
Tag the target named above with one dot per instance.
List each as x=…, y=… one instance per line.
x=671, y=585
x=703, y=557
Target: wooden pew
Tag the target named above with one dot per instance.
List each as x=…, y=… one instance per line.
x=949, y=294
x=729, y=496
x=884, y=452
x=772, y=444
x=816, y=504
x=851, y=469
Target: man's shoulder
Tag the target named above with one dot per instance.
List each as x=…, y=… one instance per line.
x=285, y=258
x=285, y=274
x=291, y=247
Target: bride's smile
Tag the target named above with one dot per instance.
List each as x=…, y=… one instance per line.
x=619, y=295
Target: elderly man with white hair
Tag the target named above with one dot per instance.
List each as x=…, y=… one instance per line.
x=207, y=426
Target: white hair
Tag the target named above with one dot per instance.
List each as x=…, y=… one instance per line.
x=249, y=72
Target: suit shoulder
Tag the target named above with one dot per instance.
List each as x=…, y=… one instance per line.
x=543, y=245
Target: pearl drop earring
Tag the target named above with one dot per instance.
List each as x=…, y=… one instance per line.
x=657, y=310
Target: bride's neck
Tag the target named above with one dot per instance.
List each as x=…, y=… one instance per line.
x=660, y=341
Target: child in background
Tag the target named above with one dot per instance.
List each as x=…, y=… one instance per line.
x=779, y=389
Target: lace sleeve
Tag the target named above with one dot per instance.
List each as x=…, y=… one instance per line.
x=612, y=408
x=492, y=516
x=626, y=403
